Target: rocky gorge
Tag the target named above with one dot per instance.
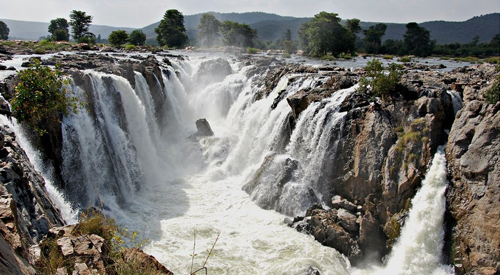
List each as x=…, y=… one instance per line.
x=371, y=171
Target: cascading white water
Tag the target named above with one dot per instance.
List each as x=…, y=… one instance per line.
x=456, y=100
x=419, y=248
x=68, y=213
x=155, y=179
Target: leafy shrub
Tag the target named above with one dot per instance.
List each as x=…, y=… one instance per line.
x=40, y=97
x=493, y=94
x=379, y=82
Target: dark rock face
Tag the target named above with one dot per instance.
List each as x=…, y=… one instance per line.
x=474, y=195
x=26, y=210
x=350, y=230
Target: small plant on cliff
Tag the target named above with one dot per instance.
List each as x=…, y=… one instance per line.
x=378, y=81
x=493, y=94
x=40, y=97
x=116, y=241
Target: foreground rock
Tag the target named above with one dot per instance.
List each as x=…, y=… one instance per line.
x=92, y=254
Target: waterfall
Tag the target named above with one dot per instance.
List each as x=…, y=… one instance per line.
x=456, y=100
x=419, y=248
x=132, y=151
x=68, y=212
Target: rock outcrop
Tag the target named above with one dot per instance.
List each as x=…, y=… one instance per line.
x=473, y=198
x=92, y=254
x=26, y=210
x=381, y=156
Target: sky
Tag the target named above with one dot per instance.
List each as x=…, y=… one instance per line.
x=140, y=13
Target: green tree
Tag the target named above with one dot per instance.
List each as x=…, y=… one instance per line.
x=417, y=40
x=4, y=31
x=209, y=33
x=378, y=81
x=118, y=38
x=171, y=31
x=324, y=34
x=287, y=43
x=239, y=35
x=80, y=23
x=353, y=25
x=88, y=38
x=59, y=29
x=137, y=38
x=373, y=38
x=40, y=97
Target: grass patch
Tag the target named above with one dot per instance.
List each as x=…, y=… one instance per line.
x=388, y=56
x=470, y=59
x=251, y=50
x=492, y=60
x=347, y=56
x=405, y=59
x=328, y=57
x=130, y=47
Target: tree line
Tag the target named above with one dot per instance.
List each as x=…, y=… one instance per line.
x=324, y=35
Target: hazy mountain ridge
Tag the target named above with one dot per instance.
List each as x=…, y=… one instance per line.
x=272, y=27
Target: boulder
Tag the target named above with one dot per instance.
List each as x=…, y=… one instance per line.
x=203, y=127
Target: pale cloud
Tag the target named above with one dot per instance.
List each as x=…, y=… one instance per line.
x=135, y=13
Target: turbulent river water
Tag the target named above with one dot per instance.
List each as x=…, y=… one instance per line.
x=183, y=192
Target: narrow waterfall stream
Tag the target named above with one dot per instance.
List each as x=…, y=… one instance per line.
x=420, y=245
x=142, y=165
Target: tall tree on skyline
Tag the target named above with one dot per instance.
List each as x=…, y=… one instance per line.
x=324, y=34
x=171, y=31
x=80, y=23
x=59, y=29
x=4, y=31
x=208, y=27
x=417, y=40
x=373, y=37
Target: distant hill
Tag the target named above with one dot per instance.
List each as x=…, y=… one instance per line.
x=26, y=30
x=272, y=27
